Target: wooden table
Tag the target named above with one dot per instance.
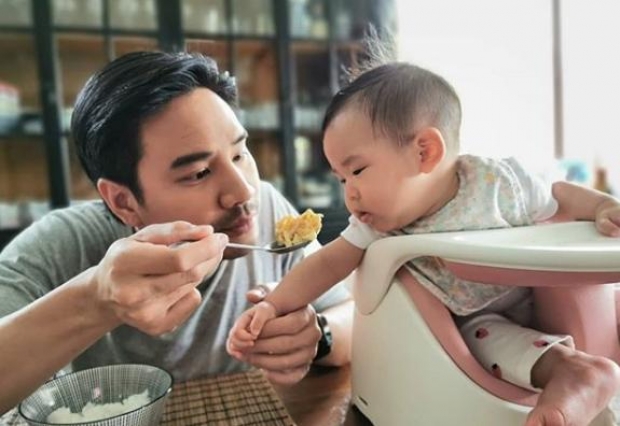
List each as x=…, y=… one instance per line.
x=322, y=398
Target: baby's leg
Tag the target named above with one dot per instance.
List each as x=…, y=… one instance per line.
x=576, y=387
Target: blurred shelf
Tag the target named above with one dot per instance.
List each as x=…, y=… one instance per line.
x=28, y=125
x=335, y=219
x=288, y=58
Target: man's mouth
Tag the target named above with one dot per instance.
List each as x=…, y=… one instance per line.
x=241, y=226
x=237, y=222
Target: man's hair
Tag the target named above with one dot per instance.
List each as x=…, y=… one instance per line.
x=399, y=99
x=115, y=102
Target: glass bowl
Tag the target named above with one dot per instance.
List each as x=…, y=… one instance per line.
x=141, y=389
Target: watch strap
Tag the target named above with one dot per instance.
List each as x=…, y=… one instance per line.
x=324, y=345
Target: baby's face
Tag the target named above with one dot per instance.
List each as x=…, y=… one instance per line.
x=383, y=184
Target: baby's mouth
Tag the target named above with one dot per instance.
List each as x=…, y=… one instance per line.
x=365, y=217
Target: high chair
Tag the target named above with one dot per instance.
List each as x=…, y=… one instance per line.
x=410, y=364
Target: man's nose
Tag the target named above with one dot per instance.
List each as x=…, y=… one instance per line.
x=236, y=188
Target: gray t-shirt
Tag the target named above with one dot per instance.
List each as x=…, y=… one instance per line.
x=67, y=241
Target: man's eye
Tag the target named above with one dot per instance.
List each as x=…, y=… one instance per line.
x=358, y=171
x=201, y=174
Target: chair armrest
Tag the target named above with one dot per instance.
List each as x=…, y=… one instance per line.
x=566, y=247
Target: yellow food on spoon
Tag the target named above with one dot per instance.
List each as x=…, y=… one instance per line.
x=291, y=230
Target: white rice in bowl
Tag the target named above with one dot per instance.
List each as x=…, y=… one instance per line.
x=93, y=412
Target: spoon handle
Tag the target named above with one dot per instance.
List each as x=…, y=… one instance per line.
x=246, y=247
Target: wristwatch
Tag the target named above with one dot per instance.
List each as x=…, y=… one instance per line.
x=324, y=346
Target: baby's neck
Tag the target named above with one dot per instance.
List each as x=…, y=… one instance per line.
x=447, y=186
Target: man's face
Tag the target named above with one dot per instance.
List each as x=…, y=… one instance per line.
x=196, y=167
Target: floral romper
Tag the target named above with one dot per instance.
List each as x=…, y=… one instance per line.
x=491, y=318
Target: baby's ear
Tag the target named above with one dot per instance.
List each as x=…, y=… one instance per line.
x=431, y=148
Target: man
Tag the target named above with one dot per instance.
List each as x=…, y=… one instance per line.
x=146, y=277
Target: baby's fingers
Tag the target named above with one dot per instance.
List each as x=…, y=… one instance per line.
x=608, y=226
x=239, y=341
x=257, y=324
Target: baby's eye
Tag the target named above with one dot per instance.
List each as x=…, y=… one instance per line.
x=240, y=156
x=358, y=171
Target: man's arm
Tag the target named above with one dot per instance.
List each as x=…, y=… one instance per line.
x=141, y=281
x=43, y=337
x=340, y=322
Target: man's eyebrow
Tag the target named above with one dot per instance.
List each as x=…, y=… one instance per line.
x=184, y=160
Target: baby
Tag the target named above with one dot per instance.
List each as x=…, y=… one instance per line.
x=392, y=139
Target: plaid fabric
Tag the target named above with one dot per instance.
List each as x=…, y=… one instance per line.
x=235, y=399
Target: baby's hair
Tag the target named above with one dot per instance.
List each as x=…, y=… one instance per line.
x=399, y=98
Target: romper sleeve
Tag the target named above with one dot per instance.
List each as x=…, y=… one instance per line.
x=538, y=198
x=359, y=234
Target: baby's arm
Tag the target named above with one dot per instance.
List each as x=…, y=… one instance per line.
x=577, y=202
x=315, y=275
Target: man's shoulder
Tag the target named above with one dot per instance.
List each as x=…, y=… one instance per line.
x=90, y=214
x=86, y=223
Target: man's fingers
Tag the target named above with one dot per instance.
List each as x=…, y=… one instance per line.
x=157, y=259
x=195, y=275
x=164, y=313
x=289, y=377
x=278, y=362
x=183, y=308
x=172, y=233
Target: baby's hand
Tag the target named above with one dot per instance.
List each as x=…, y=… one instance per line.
x=248, y=327
x=607, y=219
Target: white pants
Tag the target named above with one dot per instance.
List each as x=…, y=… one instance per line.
x=506, y=349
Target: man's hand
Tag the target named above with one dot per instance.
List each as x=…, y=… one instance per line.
x=148, y=280
x=286, y=346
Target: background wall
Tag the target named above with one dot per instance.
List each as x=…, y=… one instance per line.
x=499, y=56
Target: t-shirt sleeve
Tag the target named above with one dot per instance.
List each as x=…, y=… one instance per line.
x=53, y=250
x=539, y=201
x=359, y=234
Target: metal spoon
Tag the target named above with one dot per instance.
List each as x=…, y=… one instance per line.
x=273, y=247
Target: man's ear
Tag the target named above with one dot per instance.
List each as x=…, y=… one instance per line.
x=431, y=148
x=121, y=201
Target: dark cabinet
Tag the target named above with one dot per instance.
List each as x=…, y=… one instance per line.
x=288, y=57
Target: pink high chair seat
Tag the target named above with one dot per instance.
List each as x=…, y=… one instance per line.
x=411, y=365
